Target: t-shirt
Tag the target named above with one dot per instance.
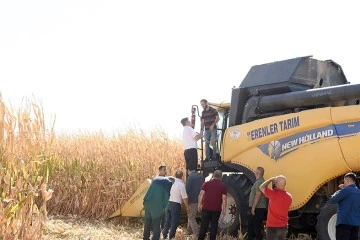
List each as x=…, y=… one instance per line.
x=209, y=117
x=214, y=189
x=279, y=204
x=194, y=183
x=188, y=138
x=178, y=191
x=255, y=188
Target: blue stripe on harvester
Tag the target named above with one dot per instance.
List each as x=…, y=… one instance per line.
x=280, y=147
x=347, y=128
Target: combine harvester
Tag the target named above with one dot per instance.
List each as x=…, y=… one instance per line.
x=298, y=117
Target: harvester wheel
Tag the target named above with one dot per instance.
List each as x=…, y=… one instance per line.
x=239, y=187
x=326, y=222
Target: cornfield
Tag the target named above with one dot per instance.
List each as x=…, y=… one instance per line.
x=25, y=154
x=84, y=174
x=94, y=174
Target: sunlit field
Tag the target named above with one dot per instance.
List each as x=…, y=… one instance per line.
x=88, y=175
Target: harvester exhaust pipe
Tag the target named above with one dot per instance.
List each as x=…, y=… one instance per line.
x=307, y=98
x=310, y=97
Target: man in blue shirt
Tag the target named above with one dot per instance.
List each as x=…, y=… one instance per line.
x=348, y=214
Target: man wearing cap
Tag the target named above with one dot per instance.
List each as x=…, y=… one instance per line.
x=190, y=138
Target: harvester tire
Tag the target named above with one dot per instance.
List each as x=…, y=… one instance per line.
x=326, y=222
x=238, y=187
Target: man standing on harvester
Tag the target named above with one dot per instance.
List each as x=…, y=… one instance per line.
x=209, y=119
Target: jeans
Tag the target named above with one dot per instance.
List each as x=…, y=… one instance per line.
x=210, y=138
x=276, y=233
x=256, y=227
x=172, y=219
x=207, y=217
x=151, y=221
x=347, y=232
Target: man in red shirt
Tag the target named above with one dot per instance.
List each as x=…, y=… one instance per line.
x=212, y=203
x=279, y=204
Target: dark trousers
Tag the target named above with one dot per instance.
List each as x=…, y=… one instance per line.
x=347, y=232
x=172, y=219
x=207, y=217
x=276, y=233
x=155, y=224
x=255, y=224
x=191, y=158
x=151, y=221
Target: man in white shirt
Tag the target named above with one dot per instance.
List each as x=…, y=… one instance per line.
x=190, y=138
x=177, y=196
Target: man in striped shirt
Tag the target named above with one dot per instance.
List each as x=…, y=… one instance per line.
x=209, y=118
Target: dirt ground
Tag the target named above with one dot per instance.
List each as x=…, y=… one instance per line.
x=59, y=227
x=70, y=227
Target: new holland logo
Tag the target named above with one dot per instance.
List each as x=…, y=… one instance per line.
x=278, y=148
x=274, y=149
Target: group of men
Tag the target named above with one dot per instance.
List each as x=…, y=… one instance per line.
x=209, y=119
x=276, y=210
x=165, y=197
x=347, y=198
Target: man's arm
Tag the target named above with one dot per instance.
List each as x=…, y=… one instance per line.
x=223, y=205
x=193, y=134
x=266, y=184
x=200, y=200
x=186, y=203
x=202, y=124
x=338, y=196
x=198, y=136
x=214, y=124
x=256, y=201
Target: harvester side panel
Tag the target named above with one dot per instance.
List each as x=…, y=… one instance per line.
x=347, y=122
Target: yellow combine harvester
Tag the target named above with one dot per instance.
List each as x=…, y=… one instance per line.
x=299, y=118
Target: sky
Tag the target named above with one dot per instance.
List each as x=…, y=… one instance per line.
x=112, y=65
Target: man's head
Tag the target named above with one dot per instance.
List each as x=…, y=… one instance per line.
x=179, y=174
x=350, y=178
x=204, y=103
x=259, y=172
x=189, y=171
x=185, y=122
x=280, y=182
x=217, y=174
x=162, y=170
